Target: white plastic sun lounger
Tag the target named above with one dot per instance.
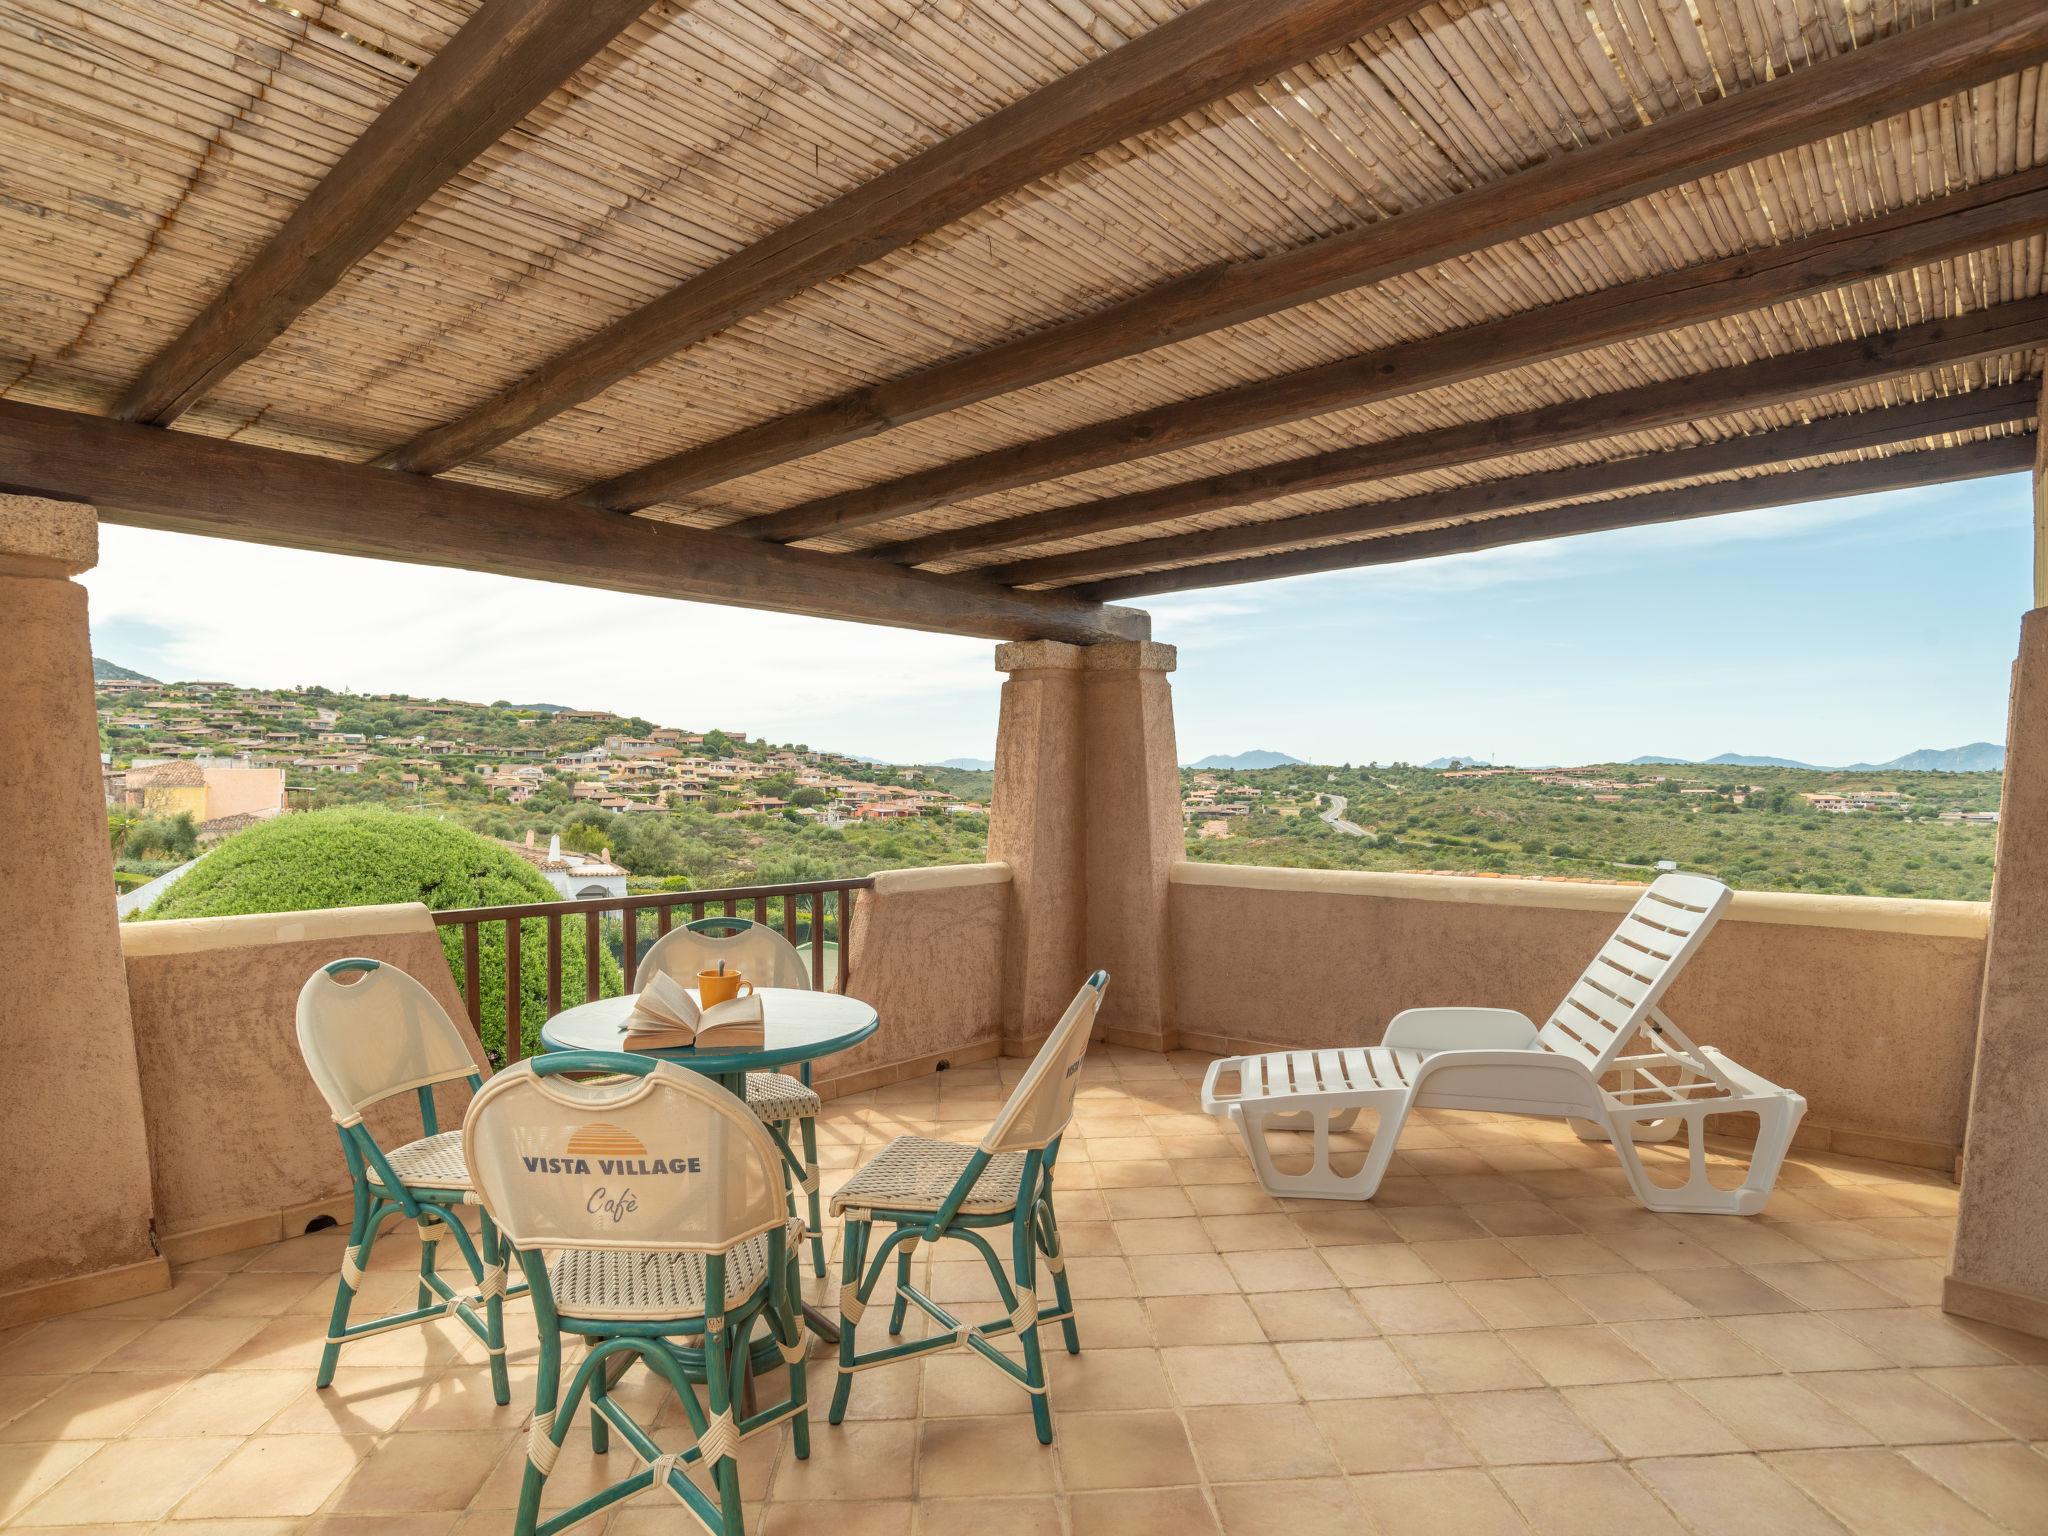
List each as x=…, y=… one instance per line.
x=1495, y=1059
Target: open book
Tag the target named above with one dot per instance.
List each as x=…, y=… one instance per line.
x=666, y=1017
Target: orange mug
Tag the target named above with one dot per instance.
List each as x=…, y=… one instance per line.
x=714, y=987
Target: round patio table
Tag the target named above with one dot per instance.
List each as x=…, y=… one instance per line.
x=798, y=1025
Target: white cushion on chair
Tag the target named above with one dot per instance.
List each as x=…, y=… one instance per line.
x=434, y=1162
x=630, y=1283
x=914, y=1173
x=776, y=1096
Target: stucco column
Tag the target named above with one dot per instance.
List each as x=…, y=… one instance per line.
x=74, y=1218
x=1131, y=788
x=1999, y=1270
x=1037, y=826
x=1086, y=813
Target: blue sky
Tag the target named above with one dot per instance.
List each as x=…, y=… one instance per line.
x=1838, y=631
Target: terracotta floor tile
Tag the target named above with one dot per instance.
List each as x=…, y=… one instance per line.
x=1682, y=1347
x=2013, y=1396
x=18, y=1394
x=1725, y=1291
x=1262, y=1234
x=1377, y=1264
x=1390, y=1434
x=1507, y=1428
x=1433, y=1223
x=2007, y=1482
x=1309, y=1314
x=260, y=1295
x=1154, y=1512
x=127, y=1481
x=1586, y=1501
x=1776, y=1413
x=28, y=1471
x=1735, y=1496
x=1567, y=1254
x=1463, y=1362
x=874, y=1519
x=1343, y=1227
x=1624, y=1297
x=980, y=1517
x=1204, y=1319
x=1228, y=1373
x=1404, y=1309
x=965, y=1457
x=1129, y=1206
x=67, y=1345
x=1802, y=1341
x=1094, y=1278
x=1525, y=1217
x=1094, y=1380
x=1325, y=1507
x=1533, y=1303
x=1651, y=1418
x=1575, y=1357
x=275, y=1475
x=96, y=1407
x=1473, y=1258
x=1880, y=1493
x=1899, y=1408
x=415, y=1473
x=1432, y=1503
x=1917, y=1336
x=1111, y=1322
x=1171, y=1234
x=360, y=1402
x=1916, y=1282
x=220, y=1403
x=1823, y=1287
x=1182, y=1274
x=1148, y=1449
x=1329, y=1368
x=1283, y=1269
x=1259, y=1443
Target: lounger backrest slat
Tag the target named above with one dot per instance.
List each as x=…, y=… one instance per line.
x=1612, y=999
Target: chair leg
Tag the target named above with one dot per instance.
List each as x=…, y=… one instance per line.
x=543, y=1435
x=807, y=1128
x=496, y=1264
x=1056, y=1262
x=428, y=1247
x=362, y=1231
x=718, y=1393
x=901, y=1305
x=790, y=1325
x=1024, y=1259
x=853, y=1242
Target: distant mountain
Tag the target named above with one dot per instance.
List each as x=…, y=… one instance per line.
x=1977, y=757
x=1246, y=760
x=545, y=709
x=969, y=764
x=104, y=670
x=1462, y=762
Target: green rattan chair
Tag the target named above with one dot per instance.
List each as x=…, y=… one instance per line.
x=778, y=1100
x=646, y=1210
x=368, y=1031
x=921, y=1190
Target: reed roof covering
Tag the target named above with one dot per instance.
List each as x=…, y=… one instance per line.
x=153, y=149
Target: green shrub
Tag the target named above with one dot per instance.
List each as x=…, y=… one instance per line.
x=360, y=858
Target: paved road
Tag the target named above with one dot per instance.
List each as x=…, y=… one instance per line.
x=1333, y=813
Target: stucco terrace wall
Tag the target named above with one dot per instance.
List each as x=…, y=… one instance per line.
x=927, y=951
x=242, y=1148
x=1866, y=1006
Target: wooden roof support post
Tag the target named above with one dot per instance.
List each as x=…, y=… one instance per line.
x=503, y=63
x=1203, y=55
x=188, y=483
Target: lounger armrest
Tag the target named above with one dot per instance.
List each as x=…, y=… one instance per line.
x=1460, y=1029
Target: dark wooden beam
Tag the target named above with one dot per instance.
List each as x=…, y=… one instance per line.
x=1889, y=425
x=1911, y=67
x=1970, y=461
x=1200, y=56
x=2015, y=327
x=1985, y=215
x=152, y=478
x=503, y=63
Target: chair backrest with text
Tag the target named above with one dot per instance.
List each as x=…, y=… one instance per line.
x=655, y=1158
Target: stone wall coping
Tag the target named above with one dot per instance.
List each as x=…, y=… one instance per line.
x=1876, y=914
x=1110, y=656
x=190, y=935
x=939, y=877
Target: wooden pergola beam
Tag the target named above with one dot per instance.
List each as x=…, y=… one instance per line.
x=1886, y=426
x=2015, y=327
x=1905, y=70
x=1970, y=461
x=501, y=64
x=1200, y=56
x=151, y=478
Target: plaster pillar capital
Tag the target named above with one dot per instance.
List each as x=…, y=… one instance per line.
x=39, y=537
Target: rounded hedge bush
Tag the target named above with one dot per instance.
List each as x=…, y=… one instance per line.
x=360, y=857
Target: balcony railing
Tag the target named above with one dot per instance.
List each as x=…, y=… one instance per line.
x=614, y=935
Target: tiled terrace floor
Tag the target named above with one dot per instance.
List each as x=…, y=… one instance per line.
x=1502, y=1341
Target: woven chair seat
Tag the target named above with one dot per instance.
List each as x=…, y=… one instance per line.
x=776, y=1097
x=635, y=1283
x=914, y=1173
x=433, y=1162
